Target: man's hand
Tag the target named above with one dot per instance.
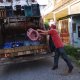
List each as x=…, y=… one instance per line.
x=39, y=30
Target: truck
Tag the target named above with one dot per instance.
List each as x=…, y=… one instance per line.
x=15, y=45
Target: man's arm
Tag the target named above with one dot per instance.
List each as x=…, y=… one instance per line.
x=43, y=32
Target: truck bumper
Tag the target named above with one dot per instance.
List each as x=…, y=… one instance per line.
x=24, y=58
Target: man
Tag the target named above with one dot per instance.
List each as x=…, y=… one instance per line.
x=59, y=48
x=51, y=43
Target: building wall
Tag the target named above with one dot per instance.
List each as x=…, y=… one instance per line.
x=75, y=7
x=59, y=3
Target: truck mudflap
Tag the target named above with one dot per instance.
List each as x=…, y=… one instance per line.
x=24, y=58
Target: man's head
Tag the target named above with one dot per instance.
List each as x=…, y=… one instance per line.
x=52, y=22
x=53, y=26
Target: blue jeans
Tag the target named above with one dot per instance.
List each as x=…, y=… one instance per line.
x=61, y=52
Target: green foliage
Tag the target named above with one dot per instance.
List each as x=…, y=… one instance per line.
x=46, y=25
x=72, y=51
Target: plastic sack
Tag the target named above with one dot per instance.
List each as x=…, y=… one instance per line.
x=33, y=34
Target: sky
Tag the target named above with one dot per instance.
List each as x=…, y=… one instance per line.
x=42, y=2
x=23, y=2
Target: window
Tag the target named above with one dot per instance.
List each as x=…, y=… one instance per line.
x=79, y=31
x=74, y=27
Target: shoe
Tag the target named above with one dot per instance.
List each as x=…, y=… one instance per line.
x=55, y=67
x=70, y=69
